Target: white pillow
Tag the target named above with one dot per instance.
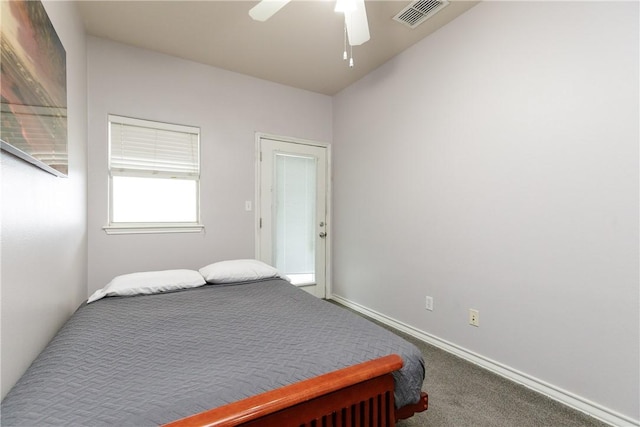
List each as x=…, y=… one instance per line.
x=239, y=270
x=150, y=282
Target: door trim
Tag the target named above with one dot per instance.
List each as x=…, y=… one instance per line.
x=329, y=218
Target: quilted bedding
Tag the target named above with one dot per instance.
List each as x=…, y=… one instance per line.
x=151, y=359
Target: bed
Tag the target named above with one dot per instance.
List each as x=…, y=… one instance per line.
x=252, y=350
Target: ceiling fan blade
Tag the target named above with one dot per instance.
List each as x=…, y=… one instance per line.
x=266, y=9
x=357, y=24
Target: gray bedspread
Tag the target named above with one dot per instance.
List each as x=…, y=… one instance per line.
x=147, y=360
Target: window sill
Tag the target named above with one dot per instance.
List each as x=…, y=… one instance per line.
x=153, y=229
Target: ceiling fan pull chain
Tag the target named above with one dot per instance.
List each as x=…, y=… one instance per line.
x=351, y=59
x=344, y=54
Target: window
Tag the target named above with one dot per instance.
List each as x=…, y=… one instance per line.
x=154, y=177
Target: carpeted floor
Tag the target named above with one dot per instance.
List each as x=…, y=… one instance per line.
x=461, y=394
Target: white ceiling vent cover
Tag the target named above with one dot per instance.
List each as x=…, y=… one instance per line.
x=419, y=11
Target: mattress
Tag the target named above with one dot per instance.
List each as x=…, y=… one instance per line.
x=151, y=359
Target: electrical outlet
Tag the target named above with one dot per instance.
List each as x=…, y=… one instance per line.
x=429, y=304
x=474, y=317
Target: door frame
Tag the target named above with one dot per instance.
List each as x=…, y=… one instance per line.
x=258, y=204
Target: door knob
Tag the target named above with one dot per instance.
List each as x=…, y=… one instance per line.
x=323, y=234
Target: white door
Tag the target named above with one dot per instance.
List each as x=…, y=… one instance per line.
x=293, y=230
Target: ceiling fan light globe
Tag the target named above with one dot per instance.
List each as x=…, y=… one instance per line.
x=345, y=6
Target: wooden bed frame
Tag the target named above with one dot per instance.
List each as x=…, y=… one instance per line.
x=359, y=395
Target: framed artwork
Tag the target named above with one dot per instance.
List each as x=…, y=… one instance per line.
x=33, y=85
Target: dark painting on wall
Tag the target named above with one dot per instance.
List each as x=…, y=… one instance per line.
x=33, y=84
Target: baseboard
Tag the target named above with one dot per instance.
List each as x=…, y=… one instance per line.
x=565, y=397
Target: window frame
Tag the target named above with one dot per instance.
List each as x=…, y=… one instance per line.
x=150, y=227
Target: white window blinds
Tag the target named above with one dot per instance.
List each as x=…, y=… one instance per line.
x=145, y=148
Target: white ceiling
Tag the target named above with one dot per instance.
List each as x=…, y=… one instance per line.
x=300, y=46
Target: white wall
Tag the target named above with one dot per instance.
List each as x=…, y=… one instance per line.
x=229, y=108
x=494, y=166
x=44, y=243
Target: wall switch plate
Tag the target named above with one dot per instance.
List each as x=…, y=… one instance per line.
x=429, y=304
x=474, y=317
x=248, y=205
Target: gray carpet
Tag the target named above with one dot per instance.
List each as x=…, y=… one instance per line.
x=462, y=394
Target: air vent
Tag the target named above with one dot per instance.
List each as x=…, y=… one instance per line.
x=419, y=11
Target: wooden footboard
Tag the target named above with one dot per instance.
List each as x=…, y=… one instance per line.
x=359, y=395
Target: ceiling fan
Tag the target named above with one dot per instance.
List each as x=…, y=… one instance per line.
x=355, y=17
